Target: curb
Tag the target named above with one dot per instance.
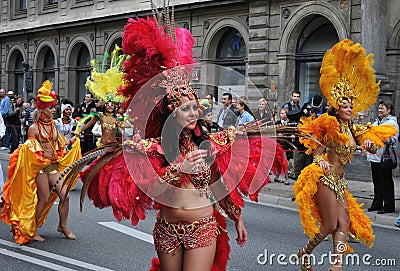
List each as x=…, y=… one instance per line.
x=386, y=221
x=382, y=220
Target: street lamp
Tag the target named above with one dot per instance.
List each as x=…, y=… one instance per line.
x=28, y=85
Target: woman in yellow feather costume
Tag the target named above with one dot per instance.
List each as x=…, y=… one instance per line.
x=325, y=204
x=104, y=86
x=34, y=167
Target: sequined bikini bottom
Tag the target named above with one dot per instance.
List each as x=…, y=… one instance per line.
x=169, y=236
x=336, y=183
x=50, y=169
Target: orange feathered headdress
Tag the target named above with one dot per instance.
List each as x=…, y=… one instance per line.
x=45, y=96
x=347, y=75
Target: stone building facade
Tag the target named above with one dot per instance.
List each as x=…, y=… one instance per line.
x=277, y=44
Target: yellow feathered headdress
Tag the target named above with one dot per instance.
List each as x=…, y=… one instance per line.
x=347, y=75
x=104, y=85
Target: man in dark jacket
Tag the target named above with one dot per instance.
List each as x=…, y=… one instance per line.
x=85, y=108
x=14, y=121
x=227, y=116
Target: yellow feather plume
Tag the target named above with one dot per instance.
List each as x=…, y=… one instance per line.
x=347, y=74
x=104, y=85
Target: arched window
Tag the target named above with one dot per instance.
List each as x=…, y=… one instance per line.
x=232, y=53
x=48, y=66
x=309, y=54
x=82, y=73
x=19, y=74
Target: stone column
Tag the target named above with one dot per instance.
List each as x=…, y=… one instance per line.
x=374, y=35
x=258, y=50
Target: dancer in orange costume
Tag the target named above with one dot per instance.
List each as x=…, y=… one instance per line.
x=34, y=167
x=325, y=204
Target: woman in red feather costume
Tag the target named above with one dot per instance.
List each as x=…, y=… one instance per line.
x=177, y=165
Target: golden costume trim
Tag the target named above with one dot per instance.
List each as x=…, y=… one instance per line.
x=50, y=169
x=336, y=183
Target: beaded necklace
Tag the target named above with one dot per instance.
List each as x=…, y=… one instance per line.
x=48, y=136
x=202, y=171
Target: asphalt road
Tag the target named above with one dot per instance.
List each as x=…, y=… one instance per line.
x=103, y=244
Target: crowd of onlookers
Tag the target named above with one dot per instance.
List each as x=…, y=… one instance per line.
x=17, y=117
x=235, y=111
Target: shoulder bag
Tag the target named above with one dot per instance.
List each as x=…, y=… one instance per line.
x=389, y=159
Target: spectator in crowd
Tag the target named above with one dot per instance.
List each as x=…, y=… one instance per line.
x=210, y=99
x=57, y=114
x=234, y=102
x=293, y=107
x=28, y=120
x=126, y=129
x=382, y=178
x=24, y=129
x=226, y=116
x=294, y=112
x=397, y=221
x=66, y=124
x=2, y=132
x=261, y=113
x=100, y=105
x=206, y=117
x=284, y=144
x=4, y=107
x=316, y=104
x=86, y=107
x=245, y=114
x=14, y=121
x=214, y=107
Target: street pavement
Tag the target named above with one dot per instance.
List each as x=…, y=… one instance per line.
x=359, y=179
x=358, y=175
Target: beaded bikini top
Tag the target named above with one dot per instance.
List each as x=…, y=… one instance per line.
x=202, y=172
x=108, y=126
x=345, y=151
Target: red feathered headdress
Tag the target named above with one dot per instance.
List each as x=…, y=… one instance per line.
x=151, y=50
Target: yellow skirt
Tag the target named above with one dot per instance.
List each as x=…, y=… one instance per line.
x=304, y=190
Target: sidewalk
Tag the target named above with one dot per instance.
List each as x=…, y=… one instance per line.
x=358, y=175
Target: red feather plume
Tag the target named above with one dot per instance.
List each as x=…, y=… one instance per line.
x=150, y=51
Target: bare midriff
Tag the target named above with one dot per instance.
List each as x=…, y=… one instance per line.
x=108, y=136
x=186, y=205
x=337, y=161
